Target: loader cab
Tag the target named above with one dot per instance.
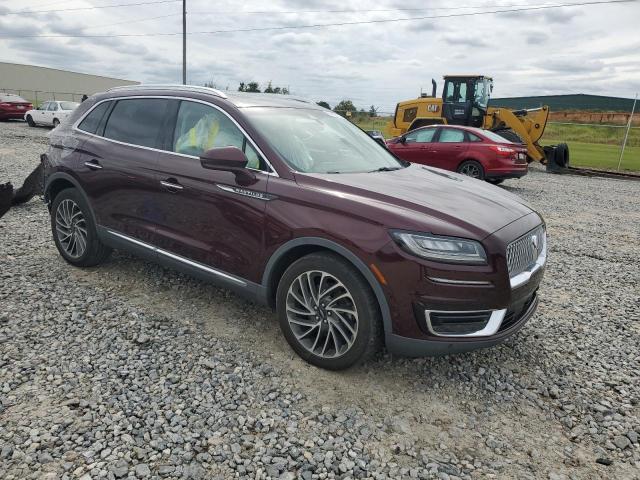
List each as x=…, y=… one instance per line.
x=465, y=99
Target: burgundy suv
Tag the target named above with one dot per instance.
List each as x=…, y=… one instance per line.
x=291, y=205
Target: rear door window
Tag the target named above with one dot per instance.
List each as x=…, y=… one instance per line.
x=91, y=121
x=53, y=107
x=473, y=138
x=137, y=121
x=450, y=135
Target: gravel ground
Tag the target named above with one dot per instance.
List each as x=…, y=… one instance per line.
x=133, y=371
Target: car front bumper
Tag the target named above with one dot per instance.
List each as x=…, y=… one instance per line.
x=511, y=323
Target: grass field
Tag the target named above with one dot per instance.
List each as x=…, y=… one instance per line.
x=589, y=146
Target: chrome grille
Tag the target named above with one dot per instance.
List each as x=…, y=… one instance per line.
x=523, y=252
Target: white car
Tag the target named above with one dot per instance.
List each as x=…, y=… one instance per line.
x=50, y=113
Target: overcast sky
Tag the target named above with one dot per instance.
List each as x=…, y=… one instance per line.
x=585, y=49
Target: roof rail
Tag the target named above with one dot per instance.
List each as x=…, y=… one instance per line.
x=187, y=88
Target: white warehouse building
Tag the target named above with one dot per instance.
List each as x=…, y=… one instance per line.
x=38, y=84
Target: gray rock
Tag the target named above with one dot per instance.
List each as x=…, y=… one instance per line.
x=621, y=442
x=120, y=469
x=142, y=470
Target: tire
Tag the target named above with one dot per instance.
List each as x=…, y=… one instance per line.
x=495, y=181
x=509, y=134
x=70, y=217
x=30, y=121
x=56, y=122
x=472, y=169
x=562, y=155
x=323, y=332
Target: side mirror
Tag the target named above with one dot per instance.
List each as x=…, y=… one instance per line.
x=228, y=159
x=403, y=140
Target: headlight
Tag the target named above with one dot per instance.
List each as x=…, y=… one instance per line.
x=442, y=249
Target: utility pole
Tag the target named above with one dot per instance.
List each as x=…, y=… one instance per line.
x=184, y=42
x=626, y=135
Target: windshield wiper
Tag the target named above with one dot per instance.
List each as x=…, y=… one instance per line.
x=385, y=169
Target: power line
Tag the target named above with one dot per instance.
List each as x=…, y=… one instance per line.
x=104, y=25
x=368, y=10
x=322, y=25
x=27, y=12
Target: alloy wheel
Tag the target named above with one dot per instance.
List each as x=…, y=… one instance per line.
x=470, y=170
x=71, y=228
x=322, y=314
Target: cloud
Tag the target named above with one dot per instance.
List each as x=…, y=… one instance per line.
x=380, y=63
x=294, y=39
x=465, y=41
x=562, y=15
x=534, y=37
x=571, y=65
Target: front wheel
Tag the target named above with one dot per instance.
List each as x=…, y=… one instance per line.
x=472, y=169
x=30, y=121
x=56, y=122
x=327, y=312
x=74, y=231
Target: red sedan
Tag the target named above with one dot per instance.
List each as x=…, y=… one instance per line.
x=477, y=153
x=13, y=107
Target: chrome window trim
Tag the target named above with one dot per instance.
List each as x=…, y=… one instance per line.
x=491, y=328
x=167, y=97
x=179, y=258
x=184, y=88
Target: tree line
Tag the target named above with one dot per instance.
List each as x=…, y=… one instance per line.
x=346, y=108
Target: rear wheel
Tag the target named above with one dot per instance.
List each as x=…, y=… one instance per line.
x=74, y=231
x=472, y=169
x=30, y=121
x=327, y=312
x=56, y=122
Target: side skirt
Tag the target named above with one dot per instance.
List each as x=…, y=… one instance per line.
x=247, y=289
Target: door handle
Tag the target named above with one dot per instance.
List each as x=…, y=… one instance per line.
x=172, y=185
x=93, y=164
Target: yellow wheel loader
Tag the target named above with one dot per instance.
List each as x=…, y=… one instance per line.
x=465, y=101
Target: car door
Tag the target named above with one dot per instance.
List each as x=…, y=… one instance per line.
x=449, y=148
x=40, y=115
x=414, y=147
x=52, y=112
x=118, y=171
x=210, y=217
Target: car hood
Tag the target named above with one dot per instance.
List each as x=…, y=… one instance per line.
x=420, y=197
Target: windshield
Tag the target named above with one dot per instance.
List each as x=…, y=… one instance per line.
x=320, y=141
x=483, y=90
x=68, y=105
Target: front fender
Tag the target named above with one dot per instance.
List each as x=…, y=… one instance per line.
x=340, y=250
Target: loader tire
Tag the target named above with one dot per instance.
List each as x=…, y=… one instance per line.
x=562, y=155
x=509, y=134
